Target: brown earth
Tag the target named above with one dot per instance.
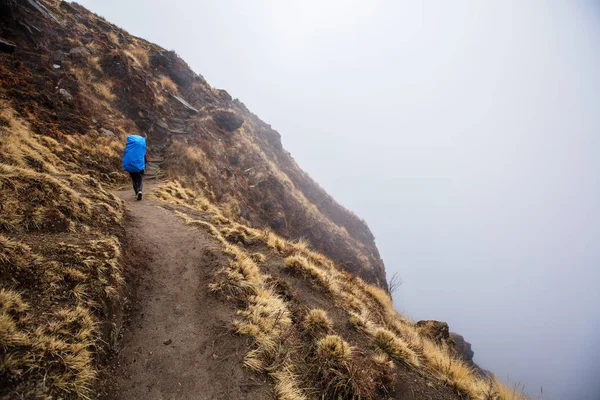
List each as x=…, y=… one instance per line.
x=177, y=344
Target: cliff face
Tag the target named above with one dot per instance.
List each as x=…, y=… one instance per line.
x=72, y=73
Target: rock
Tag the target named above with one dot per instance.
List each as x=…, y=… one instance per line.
x=66, y=94
x=436, y=330
x=107, y=132
x=6, y=47
x=167, y=342
x=228, y=120
x=278, y=223
x=55, y=66
x=177, y=69
x=79, y=52
x=224, y=95
x=42, y=9
x=269, y=205
x=273, y=137
x=462, y=347
x=162, y=124
x=57, y=57
x=185, y=103
x=244, y=214
x=66, y=6
x=234, y=159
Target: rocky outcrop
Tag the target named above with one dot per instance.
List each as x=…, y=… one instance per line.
x=462, y=347
x=227, y=120
x=438, y=331
x=464, y=350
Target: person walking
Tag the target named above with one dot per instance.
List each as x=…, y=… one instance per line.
x=134, y=161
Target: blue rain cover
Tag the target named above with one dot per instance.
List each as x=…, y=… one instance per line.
x=133, y=156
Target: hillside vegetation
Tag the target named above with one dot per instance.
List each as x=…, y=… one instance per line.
x=304, y=274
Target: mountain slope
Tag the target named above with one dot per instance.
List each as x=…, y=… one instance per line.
x=126, y=84
x=297, y=275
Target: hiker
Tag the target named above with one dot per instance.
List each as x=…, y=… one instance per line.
x=134, y=161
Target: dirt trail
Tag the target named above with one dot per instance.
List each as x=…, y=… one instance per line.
x=177, y=344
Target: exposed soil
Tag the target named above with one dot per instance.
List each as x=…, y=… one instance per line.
x=177, y=344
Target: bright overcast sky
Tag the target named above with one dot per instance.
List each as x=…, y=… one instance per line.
x=466, y=133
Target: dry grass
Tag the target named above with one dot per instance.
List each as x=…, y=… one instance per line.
x=114, y=39
x=258, y=258
x=105, y=90
x=394, y=346
x=56, y=289
x=317, y=323
x=167, y=84
x=333, y=350
x=267, y=320
x=140, y=55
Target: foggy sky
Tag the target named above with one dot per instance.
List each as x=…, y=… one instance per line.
x=465, y=133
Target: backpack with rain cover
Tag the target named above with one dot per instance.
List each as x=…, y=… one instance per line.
x=133, y=156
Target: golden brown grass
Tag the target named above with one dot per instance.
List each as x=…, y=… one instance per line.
x=167, y=84
x=140, y=55
x=105, y=90
x=317, y=323
x=267, y=319
x=332, y=349
x=61, y=276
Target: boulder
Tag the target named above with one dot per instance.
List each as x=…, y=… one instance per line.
x=79, y=52
x=438, y=331
x=227, y=120
x=107, y=132
x=278, y=223
x=57, y=57
x=66, y=94
x=269, y=205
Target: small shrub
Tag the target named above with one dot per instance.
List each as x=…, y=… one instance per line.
x=333, y=350
x=316, y=322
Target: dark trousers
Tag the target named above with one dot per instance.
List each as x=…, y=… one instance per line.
x=136, y=179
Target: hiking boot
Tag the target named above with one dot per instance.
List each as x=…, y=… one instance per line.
x=139, y=195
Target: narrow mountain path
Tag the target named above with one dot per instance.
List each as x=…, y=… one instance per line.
x=177, y=344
